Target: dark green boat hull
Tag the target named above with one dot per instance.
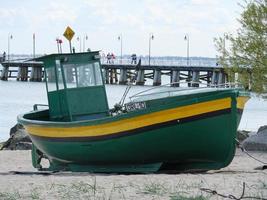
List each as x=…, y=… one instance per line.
x=202, y=142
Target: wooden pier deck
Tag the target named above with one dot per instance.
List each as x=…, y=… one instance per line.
x=123, y=73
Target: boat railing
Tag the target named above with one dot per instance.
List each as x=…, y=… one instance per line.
x=35, y=106
x=205, y=85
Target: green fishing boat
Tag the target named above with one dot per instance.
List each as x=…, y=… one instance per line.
x=193, y=129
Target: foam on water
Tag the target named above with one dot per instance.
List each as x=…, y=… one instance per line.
x=19, y=97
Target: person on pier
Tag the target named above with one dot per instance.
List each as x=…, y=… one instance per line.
x=134, y=58
x=4, y=57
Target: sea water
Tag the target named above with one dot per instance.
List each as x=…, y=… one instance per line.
x=19, y=97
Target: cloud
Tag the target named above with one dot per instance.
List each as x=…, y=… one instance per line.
x=59, y=12
x=7, y=16
x=169, y=20
x=205, y=2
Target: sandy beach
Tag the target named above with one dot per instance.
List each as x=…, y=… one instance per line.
x=18, y=180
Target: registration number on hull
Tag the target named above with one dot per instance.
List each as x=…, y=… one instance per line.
x=135, y=106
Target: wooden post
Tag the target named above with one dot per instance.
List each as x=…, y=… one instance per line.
x=189, y=78
x=214, y=79
x=39, y=74
x=140, y=77
x=106, y=76
x=209, y=75
x=221, y=79
x=123, y=76
x=116, y=75
x=33, y=76
x=110, y=76
x=195, y=79
x=4, y=75
x=175, y=77
x=24, y=73
x=157, y=78
x=19, y=73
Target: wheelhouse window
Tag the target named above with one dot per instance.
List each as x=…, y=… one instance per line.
x=84, y=75
x=76, y=76
x=51, y=79
x=59, y=75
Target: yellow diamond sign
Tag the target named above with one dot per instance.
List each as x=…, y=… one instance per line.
x=69, y=33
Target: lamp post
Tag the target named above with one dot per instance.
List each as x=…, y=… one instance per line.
x=33, y=45
x=120, y=39
x=186, y=37
x=10, y=37
x=79, y=39
x=57, y=40
x=84, y=39
x=60, y=45
x=151, y=37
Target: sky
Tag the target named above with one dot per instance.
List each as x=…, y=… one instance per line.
x=103, y=21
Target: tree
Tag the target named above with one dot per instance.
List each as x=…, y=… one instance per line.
x=247, y=53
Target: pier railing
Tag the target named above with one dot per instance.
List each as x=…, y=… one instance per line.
x=161, y=61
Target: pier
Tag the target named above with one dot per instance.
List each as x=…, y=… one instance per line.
x=140, y=73
x=22, y=70
x=30, y=70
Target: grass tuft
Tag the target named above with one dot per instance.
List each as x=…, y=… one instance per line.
x=10, y=195
x=180, y=197
x=154, y=188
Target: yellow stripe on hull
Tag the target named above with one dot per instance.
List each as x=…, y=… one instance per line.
x=241, y=101
x=132, y=123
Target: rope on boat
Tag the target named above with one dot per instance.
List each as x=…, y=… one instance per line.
x=247, y=153
x=230, y=196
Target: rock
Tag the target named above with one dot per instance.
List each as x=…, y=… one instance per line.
x=257, y=142
x=263, y=130
x=1, y=145
x=242, y=135
x=19, y=140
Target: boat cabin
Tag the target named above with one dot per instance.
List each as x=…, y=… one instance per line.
x=75, y=86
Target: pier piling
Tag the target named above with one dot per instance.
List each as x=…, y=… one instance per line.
x=140, y=80
x=214, y=78
x=4, y=74
x=190, y=75
x=195, y=79
x=157, y=78
x=22, y=74
x=175, y=78
x=36, y=74
x=221, y=79
x=123, y=76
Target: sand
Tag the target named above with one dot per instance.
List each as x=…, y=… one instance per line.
x=66, y=185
